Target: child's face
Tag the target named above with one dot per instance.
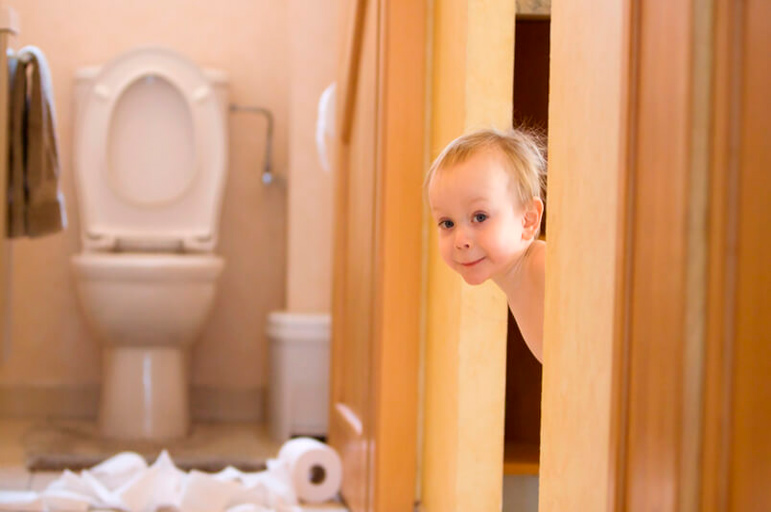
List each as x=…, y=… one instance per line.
x=481, y=225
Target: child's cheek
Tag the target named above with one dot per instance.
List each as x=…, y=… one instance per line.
x=445, y=249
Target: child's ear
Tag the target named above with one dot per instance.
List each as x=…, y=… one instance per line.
x=532, y=217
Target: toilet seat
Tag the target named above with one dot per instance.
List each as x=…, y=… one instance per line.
x=145, y=191
x=157, y=268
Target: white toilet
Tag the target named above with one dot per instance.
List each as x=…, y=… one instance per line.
x=150, y=163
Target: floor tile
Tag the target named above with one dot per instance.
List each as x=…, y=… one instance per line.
x=14, y=479
x=41, y=480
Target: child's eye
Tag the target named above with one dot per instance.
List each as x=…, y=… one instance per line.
x=480, y=217
x=446, y=224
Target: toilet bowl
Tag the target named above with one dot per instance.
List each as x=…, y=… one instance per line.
x=150, y=166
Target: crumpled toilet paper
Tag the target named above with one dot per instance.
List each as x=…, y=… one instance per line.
x=126, y=483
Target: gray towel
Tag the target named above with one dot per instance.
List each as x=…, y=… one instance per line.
x=36, y=206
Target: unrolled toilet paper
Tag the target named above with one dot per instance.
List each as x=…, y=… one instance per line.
x=305, y=470
x=315, y=469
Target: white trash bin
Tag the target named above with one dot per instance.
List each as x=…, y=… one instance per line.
x=299, y=374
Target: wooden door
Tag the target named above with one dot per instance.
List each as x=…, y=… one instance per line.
x=377, y=276
x=693, y=410
x=658, y=258
x=354, y=257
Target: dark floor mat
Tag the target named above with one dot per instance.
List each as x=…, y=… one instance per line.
x=55, y=446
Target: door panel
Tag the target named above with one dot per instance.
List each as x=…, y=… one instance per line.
x=350, y=423
x=746, y=276
x=374, y=402
x=693, y=418
x=359, y=248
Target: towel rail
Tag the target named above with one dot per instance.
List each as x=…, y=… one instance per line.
x=267, y=172
x=9, y=25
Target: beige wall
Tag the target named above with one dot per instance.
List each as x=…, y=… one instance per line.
x=313, y=49
x=50, y=346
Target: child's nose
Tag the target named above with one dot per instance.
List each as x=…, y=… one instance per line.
x=462, y=239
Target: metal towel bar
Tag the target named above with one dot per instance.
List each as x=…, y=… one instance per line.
x=267, y=173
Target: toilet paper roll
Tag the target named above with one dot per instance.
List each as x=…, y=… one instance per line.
x=314, y=467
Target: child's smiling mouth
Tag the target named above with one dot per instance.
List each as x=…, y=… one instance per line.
x=472, y=263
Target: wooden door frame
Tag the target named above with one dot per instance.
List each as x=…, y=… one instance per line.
x=344, y=424
x=391, y=432
x=399, y=260
x=658, y=91
x=654, y=246
x=472, y=64
x=660, y=286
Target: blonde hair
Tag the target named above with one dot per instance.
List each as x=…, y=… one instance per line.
x=522, y=151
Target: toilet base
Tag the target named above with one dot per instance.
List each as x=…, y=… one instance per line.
x=144, y=394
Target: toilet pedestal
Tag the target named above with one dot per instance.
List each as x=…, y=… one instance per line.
x=144, y=394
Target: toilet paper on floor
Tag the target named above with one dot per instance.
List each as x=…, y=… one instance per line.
x=314, y=470
x=306, y=470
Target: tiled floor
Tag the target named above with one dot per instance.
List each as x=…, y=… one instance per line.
x=15, y=477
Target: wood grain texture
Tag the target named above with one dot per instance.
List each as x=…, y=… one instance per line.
x=585, y=191
x=350, y=415
x=661, y=174
x=750, y=460
x=378, y=274
x=399, y=263
x=692, y=424
x=471, y=87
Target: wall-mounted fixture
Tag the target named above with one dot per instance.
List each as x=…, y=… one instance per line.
x=267, y=172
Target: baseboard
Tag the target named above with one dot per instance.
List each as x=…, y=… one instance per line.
x=206, y=404
x=211, y=404
x=49, y=402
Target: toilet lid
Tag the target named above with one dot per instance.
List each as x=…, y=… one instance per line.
x=150, y=155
